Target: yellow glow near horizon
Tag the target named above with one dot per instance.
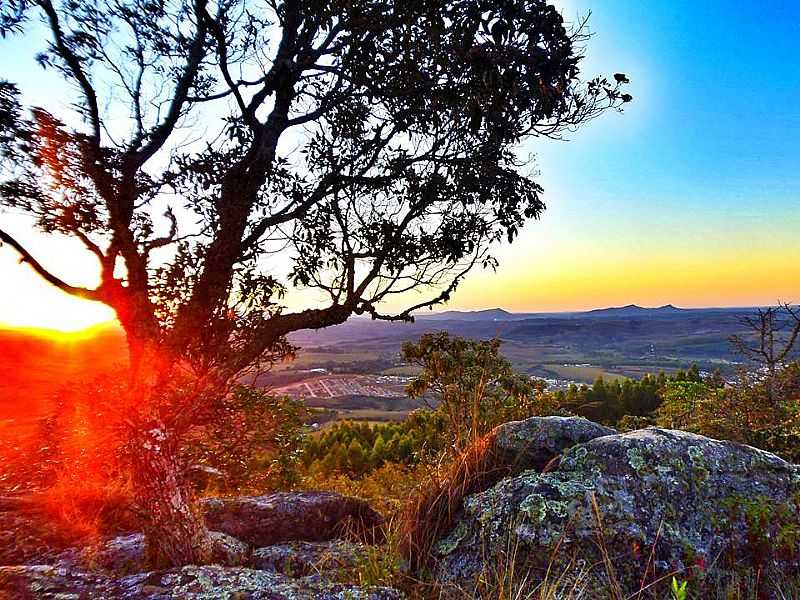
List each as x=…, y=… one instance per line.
x=29, y=302
x=525, y=282
x=547, y=270
x=586, y=278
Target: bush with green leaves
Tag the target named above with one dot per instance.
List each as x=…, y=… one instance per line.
x=474, y=387
x=255, y=441
x=742, y=412
x=609, y=401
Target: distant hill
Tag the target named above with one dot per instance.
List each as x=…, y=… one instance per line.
x=499, y=314
x=490, y=314
x=634, y=310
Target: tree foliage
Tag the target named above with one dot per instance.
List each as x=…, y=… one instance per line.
x=255, y=441
x=745, y=412
x=607, y=402
x=371, y=143
x=473, y=386
x=418, y=438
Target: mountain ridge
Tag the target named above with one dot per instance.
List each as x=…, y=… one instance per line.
x=501, y=314
x=487, y=314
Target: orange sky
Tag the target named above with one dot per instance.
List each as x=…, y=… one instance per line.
x=543, y=271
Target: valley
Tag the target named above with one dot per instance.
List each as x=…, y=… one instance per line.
x=355, y=371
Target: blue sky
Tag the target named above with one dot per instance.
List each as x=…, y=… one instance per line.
x=702, y=166
x=691, y=196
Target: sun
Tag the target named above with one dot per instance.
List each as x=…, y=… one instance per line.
x=29, y=302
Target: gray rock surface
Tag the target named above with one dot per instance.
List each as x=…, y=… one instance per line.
x=533, y=442
x=685, y=496
x=114, y=568
x=126, y=554
x=187, y=583
x=300, y=559
x=287, y=516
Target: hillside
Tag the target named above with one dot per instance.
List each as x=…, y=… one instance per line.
x=490, y=314
x=633, y=310
x=623, y=341
x=629, y=339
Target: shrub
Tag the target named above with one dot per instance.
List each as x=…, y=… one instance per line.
x=474, y=387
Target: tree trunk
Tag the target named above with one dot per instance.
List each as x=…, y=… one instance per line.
x=164, y=405
x=175, y=531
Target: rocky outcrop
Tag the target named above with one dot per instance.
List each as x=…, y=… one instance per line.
x=287, y=516
x=685, y=498
x=534, y=442
x=274, y=547
x=507, y=450
x=300, y=559
x=126, y=554
x=187, y=583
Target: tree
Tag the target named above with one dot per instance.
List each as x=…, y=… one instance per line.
x=222, y=152
x=378, y=454
x=773, y=333
x=357, y=459
x=474, y=386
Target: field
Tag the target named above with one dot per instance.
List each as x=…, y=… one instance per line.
x=309, y=359
x=581, y=373
x=379, y=386
x=403, y=371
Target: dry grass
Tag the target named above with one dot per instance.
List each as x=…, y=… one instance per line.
x=430, y=515
x=89, y=508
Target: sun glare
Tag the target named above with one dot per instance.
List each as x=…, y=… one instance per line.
x=76, y=322
x=36, y=305
x=66, y=335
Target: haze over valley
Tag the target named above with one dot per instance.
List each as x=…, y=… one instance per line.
x=355, y=370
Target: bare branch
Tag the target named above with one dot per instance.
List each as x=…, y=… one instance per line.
x=26, y=257
x=75, y=68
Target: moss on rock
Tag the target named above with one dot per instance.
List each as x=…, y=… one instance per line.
x=655, y=488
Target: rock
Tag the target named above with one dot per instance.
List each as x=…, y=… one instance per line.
x=228, y=551
x=45, y=582
x=120, y=555
x=533, y=442
x=204, y=477
x=509, y=449
x=28, y=537
x=287, y=516
x=126, y=554
x=187, y=583
x=687, y=498
x=196, y=583
x=300, y=559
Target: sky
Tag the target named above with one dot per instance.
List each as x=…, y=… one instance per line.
x=689, y=197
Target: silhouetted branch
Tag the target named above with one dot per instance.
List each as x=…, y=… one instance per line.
x=26, y=257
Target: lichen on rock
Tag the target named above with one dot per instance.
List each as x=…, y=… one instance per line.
x=652, y=488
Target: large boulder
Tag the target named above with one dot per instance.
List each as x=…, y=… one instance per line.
x=187, y=583
x=657, y=499
x=509, y=449
x=287, y=516
x=534, y=442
